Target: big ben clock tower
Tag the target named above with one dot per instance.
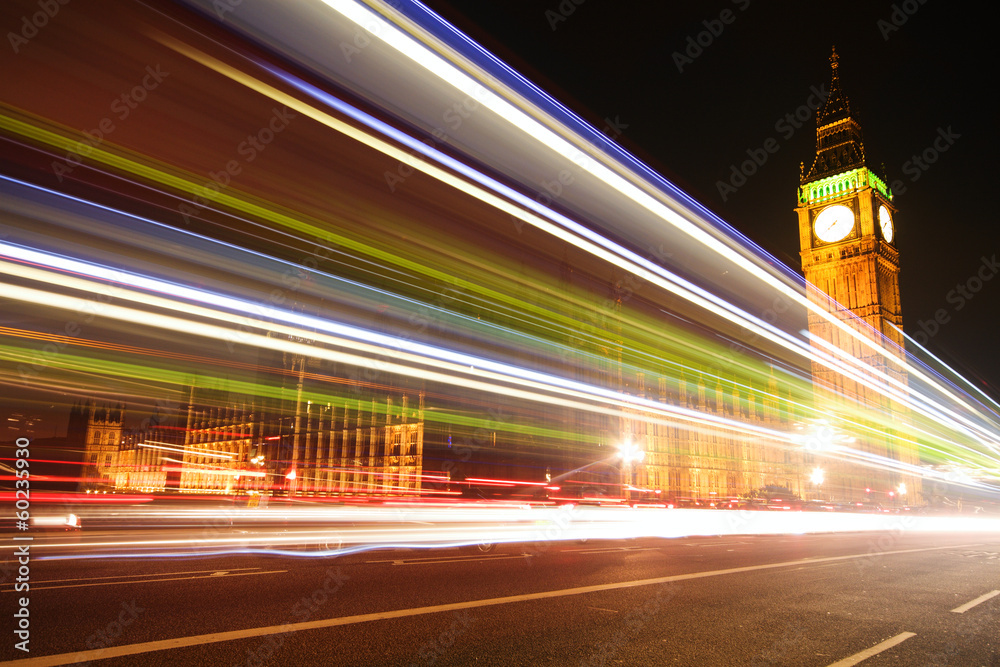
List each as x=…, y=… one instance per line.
x=847, y=235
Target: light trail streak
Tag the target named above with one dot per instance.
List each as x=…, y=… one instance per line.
x=192, y=449
x=458, y=364
x=745, y=324
x=158, y=286
x=656, y=330
x=942, y=412
x=857, y=369
x=638, y=265
x=937, y=411
x=939, y=424
x=621, y=403
x=364, y=528
x=280, y=219
x=955, y=373
x=659, y=331
x=568, y=231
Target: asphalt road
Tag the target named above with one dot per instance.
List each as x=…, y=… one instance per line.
x=763, y=600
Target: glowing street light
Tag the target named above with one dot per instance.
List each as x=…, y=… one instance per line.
x=817, y=477
x=629, y=454
x=901, y=489
x=820, y=436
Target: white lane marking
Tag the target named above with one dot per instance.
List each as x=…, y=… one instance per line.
x=816, y=567
x=874, y=650
x=145, y=574
x=153, y=581
x=969, y=605
x=418, y=558
x=613, y=611
x=197, y=640
x=468, y=559
x=607, y=550
x=446, y=559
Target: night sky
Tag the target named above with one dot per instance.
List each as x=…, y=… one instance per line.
x=913, y=73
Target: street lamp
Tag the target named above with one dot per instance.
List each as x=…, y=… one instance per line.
x=258, y=461
x=817, y=478
x=819, y=436
x=629, y=454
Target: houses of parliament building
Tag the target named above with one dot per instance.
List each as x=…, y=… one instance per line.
x=380, y=439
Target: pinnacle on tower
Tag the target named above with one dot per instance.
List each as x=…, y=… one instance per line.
x=839, y=145
x=837, y=106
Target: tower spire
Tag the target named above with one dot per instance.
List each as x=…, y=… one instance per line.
x=839, y=145
x=837, y=106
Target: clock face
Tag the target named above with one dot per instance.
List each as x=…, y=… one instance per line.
x=834, y=223
x=885, y=222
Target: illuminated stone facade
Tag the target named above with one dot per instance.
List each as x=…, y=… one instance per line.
x=368, y=444
x=681, y=464
x=847, y=235
x=100, y=428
